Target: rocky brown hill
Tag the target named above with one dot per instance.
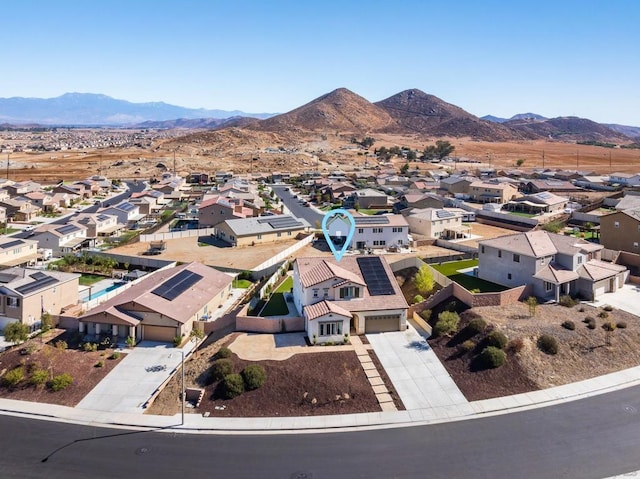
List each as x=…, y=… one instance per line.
x=568, y=128
x=418, y=112
x=340, y=110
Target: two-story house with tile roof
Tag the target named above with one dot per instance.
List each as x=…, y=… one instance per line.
x=357, y=295
x=62, y=239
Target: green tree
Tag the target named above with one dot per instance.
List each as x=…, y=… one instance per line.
x=16, y=332
x=404, y=168
x=532, y=302
x=520, y=162
x=424, y=280
x=411, y=155
x=367, y=142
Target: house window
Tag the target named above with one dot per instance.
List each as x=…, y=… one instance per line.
x=508, y=275
x=516, y=258
x=579, y=259
x=315, y=293
x=325, y=292
x=616, y=224
x=349, y=292
x=360, y=230
x=13, y=302
x=499, y=253
x=279, y=235
x=482, y=249
x=330, y=329
x=288, y=233
x=397, y=230
x=548, y=286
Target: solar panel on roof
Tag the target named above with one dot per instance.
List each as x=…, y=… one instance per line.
x=368, y=220
x=36, y=285
x=277, y=223
x=11, y=244
x=375, y=276
x=39, y=275
x=178, y=284
x=544, y=195
x=7, y=278
x=444, y=214
x=66, y=229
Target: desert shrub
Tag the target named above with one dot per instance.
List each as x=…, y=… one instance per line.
x=497, y=339
x=39, y=377
x=100, y=364
x=418, y=299
x=591, y=322
x=232, y=385
x=60, y=382
x=567, y=301
x=223, y=353
x=447, y=323
x=516, y=345
x=609, y=326
x=492, y=357
x=61, y=345
x=254, y=376
x=425, y=314
x=568, y=324
x=221, y=368
x=476, y=326
x=621, y=324
x=468, y=346
x=115, y=355
x=548, y=344
x=603, y=314
x=13, y=377
x=89, y=347
x=581, y=309
x=177, y=341
x=608, y=308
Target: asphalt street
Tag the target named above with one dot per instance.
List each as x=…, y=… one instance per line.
x=294, y=205
x=590, y=438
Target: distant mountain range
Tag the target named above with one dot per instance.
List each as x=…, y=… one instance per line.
x=408, y=112
x=95, y=109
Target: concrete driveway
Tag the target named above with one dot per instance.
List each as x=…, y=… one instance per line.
x=132, y=382
x=415, y=371
x=626, y=299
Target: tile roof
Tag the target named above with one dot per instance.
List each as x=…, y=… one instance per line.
x=597, y=270
x=555, y=275
x=540, y=243
x=315, y=311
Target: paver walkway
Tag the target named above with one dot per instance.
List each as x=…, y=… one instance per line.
x=419, y=378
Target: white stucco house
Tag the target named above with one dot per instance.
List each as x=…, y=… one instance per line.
x=357, y=295
x=372, y=232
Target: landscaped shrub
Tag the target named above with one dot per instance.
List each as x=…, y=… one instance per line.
x=254, y=376
x=497, y=339
x=447, y=323
x=89, y=347
x=177, y=341
x=61, y=345
x=476, y=326
x=591, y=322
x=548, y=344
x=492, y=357
x=223, y=353
x=425, y=314
x=60, y=382
x=39, y=377
x=468, y=346
x=567, y=301
x=621, y=324
x=221, y=368
x=516, y=345
x=115, y=355
x=609, y=326
x=13, y=377
x=100, y=364
x=232, y=385
x=603, y=314
x=568, y=324
x=608, y=308
x=417, y=299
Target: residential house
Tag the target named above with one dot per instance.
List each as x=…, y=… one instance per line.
x=538, y=203
x=538, y=186
x=437, y=223
x=419, y=201
x=171, y=186
x=368, y=198
x=628, y=202
x=161, y=306
x=3, y=215
x=424, y=186
x=198, y=178
x=337, y=191
x=620, y=231
x=90, y=186
x=555, y=265
x=457, y=185
x=149, y=202
x=357, y=295
x=76, y=190
x=42, y=200
x=25, y=294
x=372, y=232
x=20, y=210
x=17, y=251
x=263, y=229
x=217, y=209
x=492, y=192
x=99, y=225
x=127, y=213
x=62, y=239
x=22, y=188
x=624, y=179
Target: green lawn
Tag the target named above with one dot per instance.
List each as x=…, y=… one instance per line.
x=286, y=285
x=276, y=306
x=89, y=279
x=368, y=211
x=519, y=213
x=450, y=270
x=242, y=283
x=8, y=231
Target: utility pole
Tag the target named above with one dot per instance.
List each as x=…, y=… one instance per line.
x=577, y=158
x=8, y=156
x=610, y=164
x=174, y=163
x=543, y=159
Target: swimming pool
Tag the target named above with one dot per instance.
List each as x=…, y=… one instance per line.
x=102, y=292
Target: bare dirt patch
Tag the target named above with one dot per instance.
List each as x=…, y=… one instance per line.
x=335, y=379
x=81, y=365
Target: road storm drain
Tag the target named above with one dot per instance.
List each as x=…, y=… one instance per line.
x=141, y=451
x=301, y=475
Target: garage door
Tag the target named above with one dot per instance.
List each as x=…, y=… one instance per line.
x=159, y=333
x=382, y=324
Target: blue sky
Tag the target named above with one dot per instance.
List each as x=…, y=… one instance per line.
x=561, y=57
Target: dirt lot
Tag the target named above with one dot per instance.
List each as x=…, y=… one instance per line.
x=486, y=232
x=81, y=365
x=582, y=354
x=188, y=249
x=290, y=388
